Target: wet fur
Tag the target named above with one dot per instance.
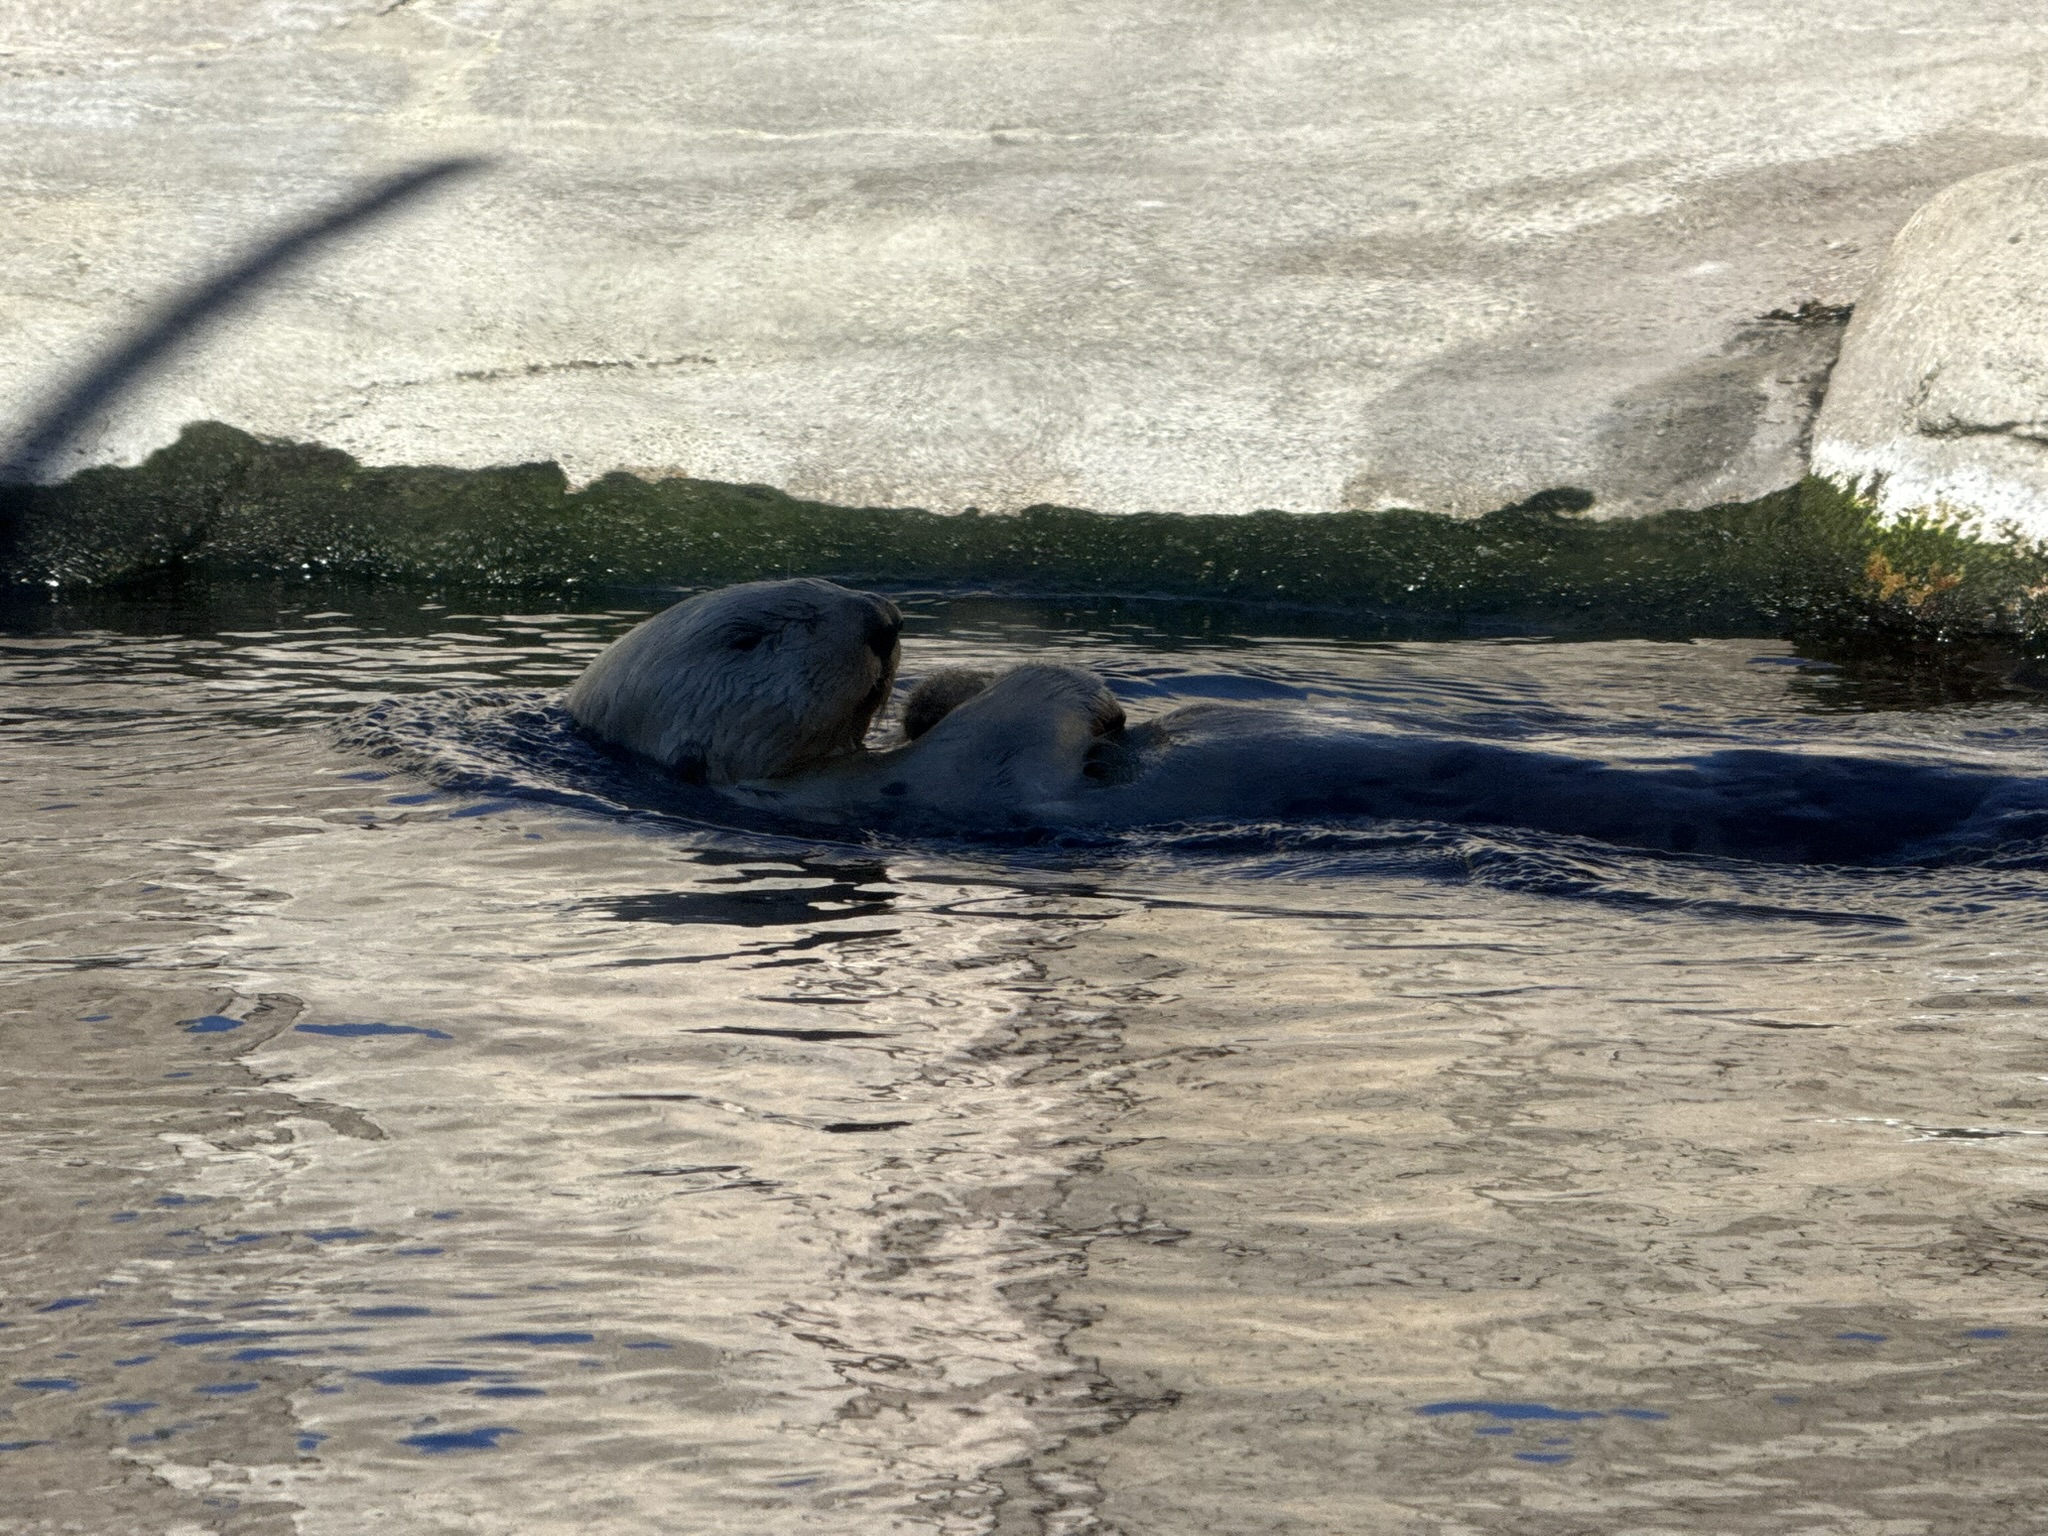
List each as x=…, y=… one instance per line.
x=765, y=691
x=1012, y=754
x=750, y=682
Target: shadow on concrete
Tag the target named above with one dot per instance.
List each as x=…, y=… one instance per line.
x=25, y=459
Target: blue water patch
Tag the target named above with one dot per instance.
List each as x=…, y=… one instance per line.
x=21, y=1445
x=1862, y=1338
x=310, y=1442
x=391, y=1312
x=66, y=1303
x=484, y=1439
x=533, y=1338
x=367, y=776
x=509, y=1392
x=242, y=1237
x=1509, y=1410
x=417, y=1253
x=124, y=1215
x=135, y=1360
x=177, y=1074
x=209, y=1024
x=127, y=1409
x=362, y=1031
x=1986, y=1333
x=650, y=1344
x=218, y=1336
x=1647, y=1415
x=442, y=1215
x=48, y=1384
x=1494, y=1429
x=1543, y=1458
x=339, y=1234
x=488, y=808
x=421, y=799
x=420, y=1375
x=252, y=1356
x=226, y=1388
x=94, y=1018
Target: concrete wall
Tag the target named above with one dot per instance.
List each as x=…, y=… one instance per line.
x=1940, y=398
x=1125, y=254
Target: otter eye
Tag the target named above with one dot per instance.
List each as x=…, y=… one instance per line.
x=746, y=639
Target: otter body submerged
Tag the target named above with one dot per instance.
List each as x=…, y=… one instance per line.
x=775, y=719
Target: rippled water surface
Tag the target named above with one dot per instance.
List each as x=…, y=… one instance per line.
x=449, y=1140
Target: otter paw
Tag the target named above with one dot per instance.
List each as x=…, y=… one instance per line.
x=938, y=694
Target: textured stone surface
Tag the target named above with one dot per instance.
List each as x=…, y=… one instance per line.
x=1189, y=256
x=1941, y=396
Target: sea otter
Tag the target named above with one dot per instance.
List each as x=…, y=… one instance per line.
x=765, y=692
x=751, y=682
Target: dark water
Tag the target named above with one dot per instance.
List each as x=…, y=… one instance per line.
x=413, y=1117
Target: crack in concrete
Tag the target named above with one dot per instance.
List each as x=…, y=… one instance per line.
x=361, y=396
x=2022, y=429
x=580, y=365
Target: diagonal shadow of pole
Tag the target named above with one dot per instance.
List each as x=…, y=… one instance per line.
x=25, y=459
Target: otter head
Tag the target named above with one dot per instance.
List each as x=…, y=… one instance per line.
x=748, y=682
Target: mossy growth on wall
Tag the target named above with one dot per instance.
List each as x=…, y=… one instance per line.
x=221, y=504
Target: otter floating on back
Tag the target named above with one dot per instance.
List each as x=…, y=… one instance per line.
x=764, y=692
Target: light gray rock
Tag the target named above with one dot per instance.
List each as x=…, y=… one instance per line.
x=1940, y=399
x=1197, y=255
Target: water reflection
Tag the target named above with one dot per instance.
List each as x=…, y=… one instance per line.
x=835, y=893
x=464, y=1155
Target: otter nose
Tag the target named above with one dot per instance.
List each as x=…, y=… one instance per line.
x=884, y=625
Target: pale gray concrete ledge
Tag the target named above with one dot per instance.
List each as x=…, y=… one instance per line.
x=1199, y=256
x=1939, y=402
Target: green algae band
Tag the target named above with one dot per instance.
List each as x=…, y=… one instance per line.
x=221, y=504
